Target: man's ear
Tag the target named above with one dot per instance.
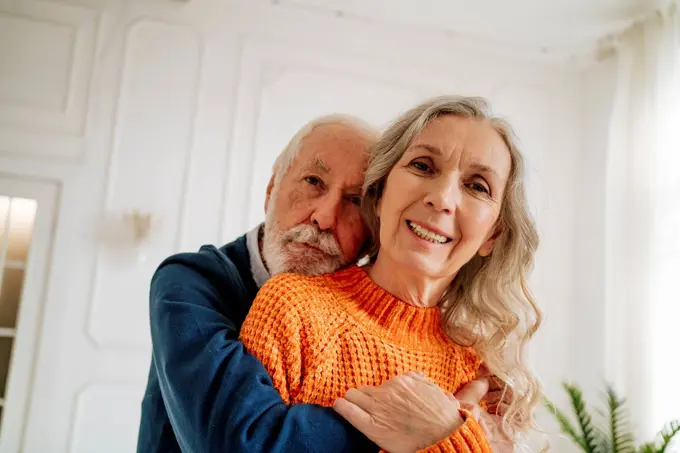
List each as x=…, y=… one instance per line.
x=487, y=247
x=268, y=195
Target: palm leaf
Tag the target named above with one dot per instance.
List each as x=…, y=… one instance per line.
x=622, y=440
x=565, y=424
x=590, y=442
x=667, y=435
x=647, y=448
x=616, y=437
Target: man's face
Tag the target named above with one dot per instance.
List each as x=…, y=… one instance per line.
x=313, y=224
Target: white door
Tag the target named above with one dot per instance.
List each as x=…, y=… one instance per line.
x=27, y=212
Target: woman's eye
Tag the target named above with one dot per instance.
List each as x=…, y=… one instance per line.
x=421, y=166
x=313, y=180
x=479, y=187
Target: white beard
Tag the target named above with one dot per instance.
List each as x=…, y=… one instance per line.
x=283, y=251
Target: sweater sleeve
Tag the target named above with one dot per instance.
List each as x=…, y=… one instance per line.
x=272, y=332
x=219, y=398
x=469, y=438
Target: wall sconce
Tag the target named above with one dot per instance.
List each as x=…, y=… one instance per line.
x=141, y=225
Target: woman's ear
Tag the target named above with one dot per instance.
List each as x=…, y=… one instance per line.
x=378, y=207
x=486, y=248
x=268, y=195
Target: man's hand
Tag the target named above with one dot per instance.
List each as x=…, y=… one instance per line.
x=404, y=414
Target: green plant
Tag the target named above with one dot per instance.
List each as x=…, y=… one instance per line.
x=611, y=437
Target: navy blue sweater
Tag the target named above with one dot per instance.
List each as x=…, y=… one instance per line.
x=205, y=393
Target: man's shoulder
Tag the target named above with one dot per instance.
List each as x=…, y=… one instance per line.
x=224, y=269
x=211, y=257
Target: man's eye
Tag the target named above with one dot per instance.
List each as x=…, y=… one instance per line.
x=355, y=200
x=313, y=180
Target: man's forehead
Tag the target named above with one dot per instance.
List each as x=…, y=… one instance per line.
x=335, y=166
x=327, y=146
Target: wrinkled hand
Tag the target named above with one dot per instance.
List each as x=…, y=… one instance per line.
x=491, y=423
x=404, y=414
x=498, y=398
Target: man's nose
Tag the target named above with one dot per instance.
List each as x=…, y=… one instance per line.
x=326, y=211
x=444, y=195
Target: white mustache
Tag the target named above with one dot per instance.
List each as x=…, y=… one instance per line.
x=311, y=235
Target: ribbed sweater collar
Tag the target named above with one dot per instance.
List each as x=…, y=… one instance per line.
x=385, y=315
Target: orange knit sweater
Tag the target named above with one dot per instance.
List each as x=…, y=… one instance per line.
x=320, y=336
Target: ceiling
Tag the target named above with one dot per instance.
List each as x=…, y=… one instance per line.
x=549, y=25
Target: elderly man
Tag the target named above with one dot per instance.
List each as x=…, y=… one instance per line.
x=205, y=393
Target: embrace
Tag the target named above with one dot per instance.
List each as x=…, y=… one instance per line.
x=382, y=305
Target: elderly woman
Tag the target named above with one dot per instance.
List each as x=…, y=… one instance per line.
x=445, y=286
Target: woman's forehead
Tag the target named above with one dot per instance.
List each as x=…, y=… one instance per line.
x=466, y=139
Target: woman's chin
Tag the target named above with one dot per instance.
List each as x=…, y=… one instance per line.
x=423, y=265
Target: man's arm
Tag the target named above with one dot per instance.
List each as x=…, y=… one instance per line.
x=220, y=398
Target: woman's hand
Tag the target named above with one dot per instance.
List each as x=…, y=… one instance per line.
x=406, y=413
x=491, y=422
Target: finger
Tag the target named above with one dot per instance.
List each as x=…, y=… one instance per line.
x=496, y=383
x=470, y=407
x=473, y=409
x=418, y=376
x=496, y=397
x=483, y=371
x=485, y=428
x=360, y=399
x=356, y=416
x=501, y=410
x=474, y=390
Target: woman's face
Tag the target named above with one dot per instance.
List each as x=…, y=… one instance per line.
x=441, y=201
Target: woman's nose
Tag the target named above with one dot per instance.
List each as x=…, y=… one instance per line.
x=443, y=197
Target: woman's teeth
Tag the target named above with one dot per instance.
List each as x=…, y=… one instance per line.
x=426, y=234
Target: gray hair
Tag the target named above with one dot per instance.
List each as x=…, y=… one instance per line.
x=488, y=305
x=290, y=152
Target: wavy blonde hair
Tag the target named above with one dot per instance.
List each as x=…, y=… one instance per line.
x=488, y=305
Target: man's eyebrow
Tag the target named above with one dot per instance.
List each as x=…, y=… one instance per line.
x=432, y=149
x=321, y=165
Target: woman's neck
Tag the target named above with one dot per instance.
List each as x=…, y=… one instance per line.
x=407, y=285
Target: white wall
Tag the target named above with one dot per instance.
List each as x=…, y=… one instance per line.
x=179, y=109
x=588, y=365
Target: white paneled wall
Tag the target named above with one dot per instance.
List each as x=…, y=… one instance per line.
x=179, y=109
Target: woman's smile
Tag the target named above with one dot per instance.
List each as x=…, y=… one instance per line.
x=427, y=234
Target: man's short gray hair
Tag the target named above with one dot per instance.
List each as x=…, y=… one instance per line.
x=290, y=152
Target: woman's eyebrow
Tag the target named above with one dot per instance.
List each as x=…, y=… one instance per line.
x=430, y=148
x=483, y=168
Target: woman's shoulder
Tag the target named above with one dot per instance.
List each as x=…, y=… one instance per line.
x=469, y=359
x=293, y=284
x=295, y=290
